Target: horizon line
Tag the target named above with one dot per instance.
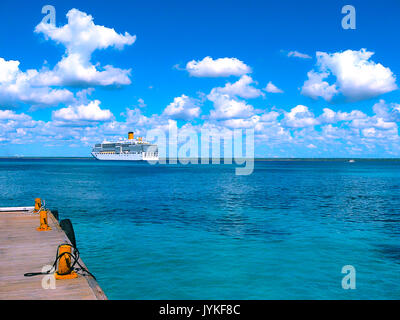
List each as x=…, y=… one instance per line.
x=221, y=159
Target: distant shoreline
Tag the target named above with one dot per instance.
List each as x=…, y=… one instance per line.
x=222, y=160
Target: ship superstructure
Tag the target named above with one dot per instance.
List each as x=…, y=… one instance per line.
x=131, y=149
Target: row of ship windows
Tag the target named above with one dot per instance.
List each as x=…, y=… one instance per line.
x=146, y=153
x=118, y=145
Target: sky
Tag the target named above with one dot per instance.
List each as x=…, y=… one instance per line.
x=287, y=69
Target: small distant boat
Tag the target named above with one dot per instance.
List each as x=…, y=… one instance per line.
x=352, y=161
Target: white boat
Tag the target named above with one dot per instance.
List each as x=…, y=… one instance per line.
x=351, y=161
x=131, y=149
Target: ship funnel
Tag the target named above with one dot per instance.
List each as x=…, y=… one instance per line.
x=130, y=136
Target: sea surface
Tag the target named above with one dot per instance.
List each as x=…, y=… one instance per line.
x=201, y=232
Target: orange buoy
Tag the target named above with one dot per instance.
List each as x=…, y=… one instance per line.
x=64, y=270
x=43, y=221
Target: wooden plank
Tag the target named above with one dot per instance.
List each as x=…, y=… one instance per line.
x=23, y=249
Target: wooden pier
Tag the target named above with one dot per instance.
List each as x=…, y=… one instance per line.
x=23, y=249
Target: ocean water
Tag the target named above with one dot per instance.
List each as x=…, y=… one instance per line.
x=201, y=232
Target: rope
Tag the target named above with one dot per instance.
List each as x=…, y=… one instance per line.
x=74, y=256
x=43, y=206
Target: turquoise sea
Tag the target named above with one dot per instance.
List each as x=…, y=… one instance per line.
x=201, y=232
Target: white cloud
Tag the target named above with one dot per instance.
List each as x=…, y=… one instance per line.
x=141, y=123
x=9, y=70
x=315, y=87
x=11, y=115
x=269, y=116
x=357, y=77
x=385, y=118
x=382, y=124
x=183, y=108
x=72, y=70
x=299, y=117
x=369, y=132
x=241, y=123
x=328, y=134
x=89, y=112
x=227, y=104
x=271, y=88
x=226, y=107
x=298, y=55
x=374, y=123
x=222, y=67
x=135, y=116
x=141, y=103
x=387, y=111
x=81, y=37
x=242, y=88
x=17, y=87
x=330, y=116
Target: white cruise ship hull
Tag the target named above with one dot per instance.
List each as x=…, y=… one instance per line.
x=123, y=157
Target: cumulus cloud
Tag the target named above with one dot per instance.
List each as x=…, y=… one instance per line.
x=11, y=115
x=385, y=118
x=140, y=123
x=222, y=67
x=81, y=37
x=226, y=107
x=316, y=87
x=89, y=112
x=241, y=123
x=300, y=117
x=330, y=116
x=284, y=133
x=183, y=108
x=18, y=87
x=387, y=111
x=271, y=116
x=271, y=88
x=298, y=55
x=74, y=71
x=351, y=73
x=357, y=77
x=242, y=88
x=9, y=70
x=135, y=118
x=227, y=102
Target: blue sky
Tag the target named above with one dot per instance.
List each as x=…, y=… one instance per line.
x=201, y=64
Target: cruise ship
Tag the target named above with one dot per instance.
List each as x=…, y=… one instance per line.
x=131, y=149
